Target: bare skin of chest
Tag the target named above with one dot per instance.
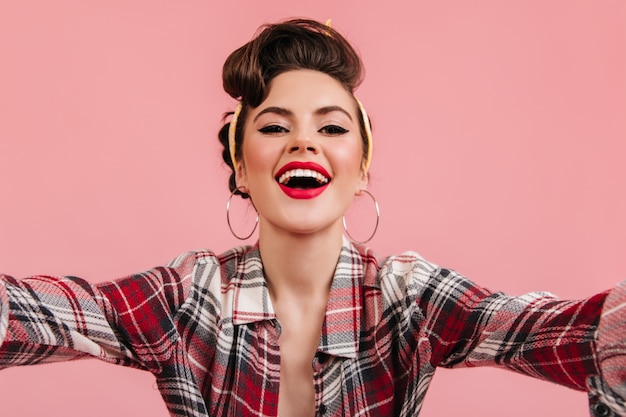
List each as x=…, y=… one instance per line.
x=298, y=343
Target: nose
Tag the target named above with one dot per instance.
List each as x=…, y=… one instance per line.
x=302, y=142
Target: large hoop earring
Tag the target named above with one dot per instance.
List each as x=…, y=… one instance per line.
x=345, y=227
x=228, y=217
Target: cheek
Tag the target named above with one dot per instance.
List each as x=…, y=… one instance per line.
x=349, y=156
x=260, y=159
x=255, y=154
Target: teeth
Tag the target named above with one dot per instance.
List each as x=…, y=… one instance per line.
x=302, y=173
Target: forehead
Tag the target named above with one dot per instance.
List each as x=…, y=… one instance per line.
x=307, y=89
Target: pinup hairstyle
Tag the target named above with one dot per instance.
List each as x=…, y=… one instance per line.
x=278, y=48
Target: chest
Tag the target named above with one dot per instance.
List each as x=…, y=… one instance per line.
x=252, y=362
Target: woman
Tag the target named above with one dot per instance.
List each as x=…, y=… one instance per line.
x=306, y=323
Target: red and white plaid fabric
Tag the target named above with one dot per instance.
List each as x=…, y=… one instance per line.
x=204, y=325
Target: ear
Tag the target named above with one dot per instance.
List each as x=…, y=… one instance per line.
x=363, y=180
x=241, y=177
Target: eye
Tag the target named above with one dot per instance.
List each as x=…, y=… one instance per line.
x=333, y=130
x=273, y=129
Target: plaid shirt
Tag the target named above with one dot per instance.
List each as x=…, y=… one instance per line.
x=204, y=325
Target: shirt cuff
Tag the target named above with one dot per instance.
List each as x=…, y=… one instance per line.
x=608, y=390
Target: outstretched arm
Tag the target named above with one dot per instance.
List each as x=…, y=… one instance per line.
x=580, y=344
x=47, y=319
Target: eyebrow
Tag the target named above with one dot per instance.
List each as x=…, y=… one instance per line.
x=329, y=109
x=285, y=112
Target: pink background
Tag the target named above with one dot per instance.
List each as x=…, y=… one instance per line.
x=499, y=143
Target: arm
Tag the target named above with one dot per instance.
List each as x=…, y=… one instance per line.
x=535, y=334
x=128, y=321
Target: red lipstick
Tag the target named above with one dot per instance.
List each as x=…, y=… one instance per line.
x=302, y=193
x=302, y=165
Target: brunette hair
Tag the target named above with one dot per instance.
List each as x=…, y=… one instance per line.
x=277, y=48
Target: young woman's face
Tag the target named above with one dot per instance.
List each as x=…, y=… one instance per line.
x=302, y=153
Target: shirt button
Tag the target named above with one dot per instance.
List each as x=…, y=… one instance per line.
x=322, y=409
x=601, y=410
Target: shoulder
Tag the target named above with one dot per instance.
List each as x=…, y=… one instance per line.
x=171, y=283
x=207, y=269
x=410, y=266
x=408, y=277
x=188, y=261
x=405, y=269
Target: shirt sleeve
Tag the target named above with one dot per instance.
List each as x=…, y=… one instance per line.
x=607, y=391
x=580, y=344
x=128, y=321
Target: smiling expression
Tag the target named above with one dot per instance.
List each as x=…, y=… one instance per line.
x=303, y=153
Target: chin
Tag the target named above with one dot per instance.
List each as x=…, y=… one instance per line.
x=312, y=228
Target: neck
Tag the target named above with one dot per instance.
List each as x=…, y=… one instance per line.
x=299, y=265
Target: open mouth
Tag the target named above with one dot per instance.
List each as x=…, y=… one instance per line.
x=302, y=179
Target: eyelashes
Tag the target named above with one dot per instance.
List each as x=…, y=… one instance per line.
x=333, y=130
x=329, y=130
x=273, y=129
